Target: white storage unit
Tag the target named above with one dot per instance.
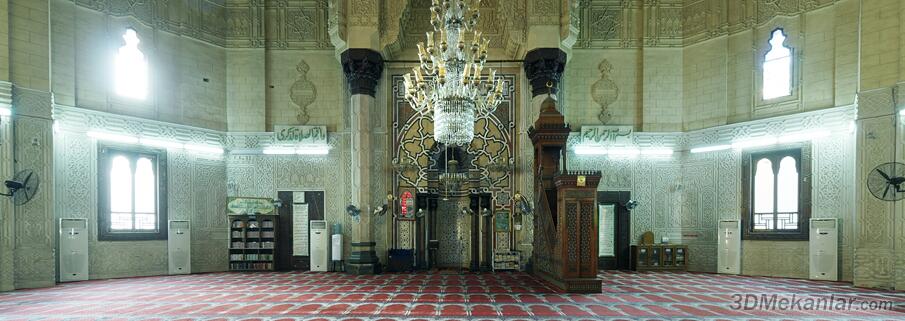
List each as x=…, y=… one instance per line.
x=73, y=249
x=336, y=251
x=824, y=249
x=729, y=248
x=320, y=246
x=179, y=247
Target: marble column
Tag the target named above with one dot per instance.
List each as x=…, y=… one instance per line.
x=876, y=260
x=7, y=219
x=362, y=68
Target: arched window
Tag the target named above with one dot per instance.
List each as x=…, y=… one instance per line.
x=131, y=68
x=777, y=68
x=131, y=193
x=775, y=191
x=764, y=185
x=120, y=194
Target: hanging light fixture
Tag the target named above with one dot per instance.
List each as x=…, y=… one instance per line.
x=448, y=81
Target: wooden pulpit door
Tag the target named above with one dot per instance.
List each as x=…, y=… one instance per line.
x=580, y=233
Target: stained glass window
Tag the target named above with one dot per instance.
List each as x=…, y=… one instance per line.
x=777, y=68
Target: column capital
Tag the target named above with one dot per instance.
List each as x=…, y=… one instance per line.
x=543, y=65
x=362, y=68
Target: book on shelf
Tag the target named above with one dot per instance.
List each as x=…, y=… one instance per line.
x=252, y=243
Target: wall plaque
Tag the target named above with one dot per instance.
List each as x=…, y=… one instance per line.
x=250, y=206
x=300, y=134
x=300, y=229
x=607, y=135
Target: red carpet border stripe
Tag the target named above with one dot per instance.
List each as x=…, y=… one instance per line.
x=431, y=296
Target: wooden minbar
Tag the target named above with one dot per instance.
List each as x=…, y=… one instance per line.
x=565, y=229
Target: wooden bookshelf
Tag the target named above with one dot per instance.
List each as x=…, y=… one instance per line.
x=252, y=242
x=658, y=257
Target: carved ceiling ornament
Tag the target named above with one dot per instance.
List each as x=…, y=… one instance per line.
x=604, y=91
x=503, y=22
x=390, y=32
x=303, y=92
x=363, y=13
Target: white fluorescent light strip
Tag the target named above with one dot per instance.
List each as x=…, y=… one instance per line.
x=804, y=136
x=902, y=112
x=209, y=149
x=313, y=150
x=590, y=150
x=307, y=150
x=713, y=148
x=278, y=151
x=624, y=152
x=657, y=152
x=754, y=142
x=99, y=135
x=4, y=111
x=113, y=137
x=160, y=143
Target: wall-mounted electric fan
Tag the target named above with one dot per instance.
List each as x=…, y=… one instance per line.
x=885, y=181
x=23, y=187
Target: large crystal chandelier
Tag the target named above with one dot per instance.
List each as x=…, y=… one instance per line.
x=449, y=81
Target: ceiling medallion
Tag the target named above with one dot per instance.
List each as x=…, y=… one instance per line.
x=449, y=81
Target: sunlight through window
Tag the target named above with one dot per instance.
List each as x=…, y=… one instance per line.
x=764, y=185
x=777, y=68
x=131, y=68
x=121, y=194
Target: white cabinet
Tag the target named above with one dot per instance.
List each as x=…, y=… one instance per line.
x=73, y=249
x=824, y=249
x=729, y=247
x=179, y=247
x=320, y=246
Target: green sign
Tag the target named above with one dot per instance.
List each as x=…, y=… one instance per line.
x=250, y=206
x=300, y=134
x=501, y=220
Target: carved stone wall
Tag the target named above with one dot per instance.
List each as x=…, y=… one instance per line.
x=878, y=237
x=630, y=24
x=706, y=19
x=278, y=24
x=721, y=74
x=677, y=67
x=7, y=217
x=32, y=223
x=683, y=197
x=186, y=77
x=502, y=22
x=264, y=175
x=323, y=95
x=196, y=191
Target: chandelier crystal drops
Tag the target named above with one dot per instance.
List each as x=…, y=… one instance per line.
x=449, y=80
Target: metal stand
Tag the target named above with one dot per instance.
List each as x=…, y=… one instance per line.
x=342, y=266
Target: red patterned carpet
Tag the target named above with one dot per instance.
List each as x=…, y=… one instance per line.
x=441, y=296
